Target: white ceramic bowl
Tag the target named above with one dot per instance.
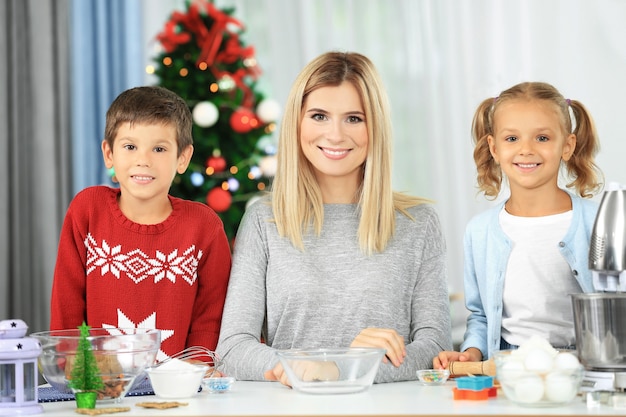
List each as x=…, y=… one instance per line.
x=528, y=384
x=121, y=355
x=177, y=383
x=331, y=371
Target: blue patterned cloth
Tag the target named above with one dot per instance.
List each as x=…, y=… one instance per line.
x=48, y=394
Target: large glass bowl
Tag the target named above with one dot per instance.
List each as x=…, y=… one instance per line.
x=331, y=371
x=121, y=356
x=525, y=384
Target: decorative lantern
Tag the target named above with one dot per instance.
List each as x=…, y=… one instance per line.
x=18, y=370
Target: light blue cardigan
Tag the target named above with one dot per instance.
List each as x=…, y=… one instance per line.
x=487, y=251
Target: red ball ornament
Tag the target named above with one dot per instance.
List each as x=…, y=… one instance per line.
x=243, y=120
x=218, y=163
x=219, y=199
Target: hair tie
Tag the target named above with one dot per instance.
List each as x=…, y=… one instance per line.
x=568, y=101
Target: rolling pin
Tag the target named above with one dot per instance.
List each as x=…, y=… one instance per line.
x=487, y=367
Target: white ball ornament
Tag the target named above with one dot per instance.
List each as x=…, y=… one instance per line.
x=268, y=110
x=233, y=185
x=205, y=114
x=197, y=179
x=268, y=165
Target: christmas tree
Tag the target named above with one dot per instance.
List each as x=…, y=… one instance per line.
x=205, y=61
x=85, y=373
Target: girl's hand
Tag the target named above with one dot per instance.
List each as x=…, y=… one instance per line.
x=442, y=361
x=387, y=339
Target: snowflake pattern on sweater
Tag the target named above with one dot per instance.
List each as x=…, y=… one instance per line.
x=139, y=266
x=124, y=322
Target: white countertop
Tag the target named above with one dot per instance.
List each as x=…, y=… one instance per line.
x=394, y=399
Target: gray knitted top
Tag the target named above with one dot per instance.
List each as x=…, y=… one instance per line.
x=324, y=296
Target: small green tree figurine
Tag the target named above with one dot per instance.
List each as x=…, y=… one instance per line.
x=85, y=375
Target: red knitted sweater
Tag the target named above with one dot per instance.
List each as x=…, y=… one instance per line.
x=112, y=272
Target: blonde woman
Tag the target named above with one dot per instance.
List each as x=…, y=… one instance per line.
x=334, y=257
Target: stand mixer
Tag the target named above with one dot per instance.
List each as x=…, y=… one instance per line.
x=600, y=317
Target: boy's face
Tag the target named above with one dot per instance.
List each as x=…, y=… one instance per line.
x=145, y=159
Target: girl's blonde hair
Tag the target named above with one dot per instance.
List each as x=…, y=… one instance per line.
x=582, y=172
x=296, y=197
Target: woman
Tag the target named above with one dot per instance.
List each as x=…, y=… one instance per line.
x=333, y=257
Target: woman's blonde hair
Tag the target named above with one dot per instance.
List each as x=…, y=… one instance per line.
x=582, y=172
x=296, y=197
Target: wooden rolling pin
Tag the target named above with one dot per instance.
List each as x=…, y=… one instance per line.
x=487, y=367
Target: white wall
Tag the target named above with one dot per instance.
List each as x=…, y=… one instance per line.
x=439, y=59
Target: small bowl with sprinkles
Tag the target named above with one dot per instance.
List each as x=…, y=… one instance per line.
x=217, y=385
x=433, y=376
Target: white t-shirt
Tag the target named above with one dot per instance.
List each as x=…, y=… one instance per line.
x=538, y=281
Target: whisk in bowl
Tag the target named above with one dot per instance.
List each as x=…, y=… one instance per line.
x=198, y=355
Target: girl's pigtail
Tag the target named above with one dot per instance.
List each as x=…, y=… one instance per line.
x=489, y=175
x=581, y=166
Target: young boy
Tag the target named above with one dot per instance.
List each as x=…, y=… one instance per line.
x=134, y=256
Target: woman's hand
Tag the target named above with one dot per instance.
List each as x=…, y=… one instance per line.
x=387, y=339
x=306, y=370
x=442, y=361
x=277, y=374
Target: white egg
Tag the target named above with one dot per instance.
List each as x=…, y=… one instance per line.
x=560, y=388
x=528, y=389
x=536, y=342
x=510, y=369
x=566, y=361
x=538, y=360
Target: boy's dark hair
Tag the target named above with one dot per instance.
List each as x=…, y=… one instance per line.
x=150, y=105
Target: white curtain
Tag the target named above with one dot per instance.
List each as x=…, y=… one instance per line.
x=439, y=59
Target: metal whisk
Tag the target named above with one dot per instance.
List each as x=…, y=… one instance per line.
x=198, y=354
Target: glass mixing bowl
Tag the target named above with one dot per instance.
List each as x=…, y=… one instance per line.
x=526, y=382
x=331, y=371
x=121, y=355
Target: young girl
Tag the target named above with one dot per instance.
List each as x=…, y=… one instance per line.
x=525, y=256
x=335, y=258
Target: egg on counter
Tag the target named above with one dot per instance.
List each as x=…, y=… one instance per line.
x=560, y=387
x=539, y=360
x=566, y=361
x=529, y=388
